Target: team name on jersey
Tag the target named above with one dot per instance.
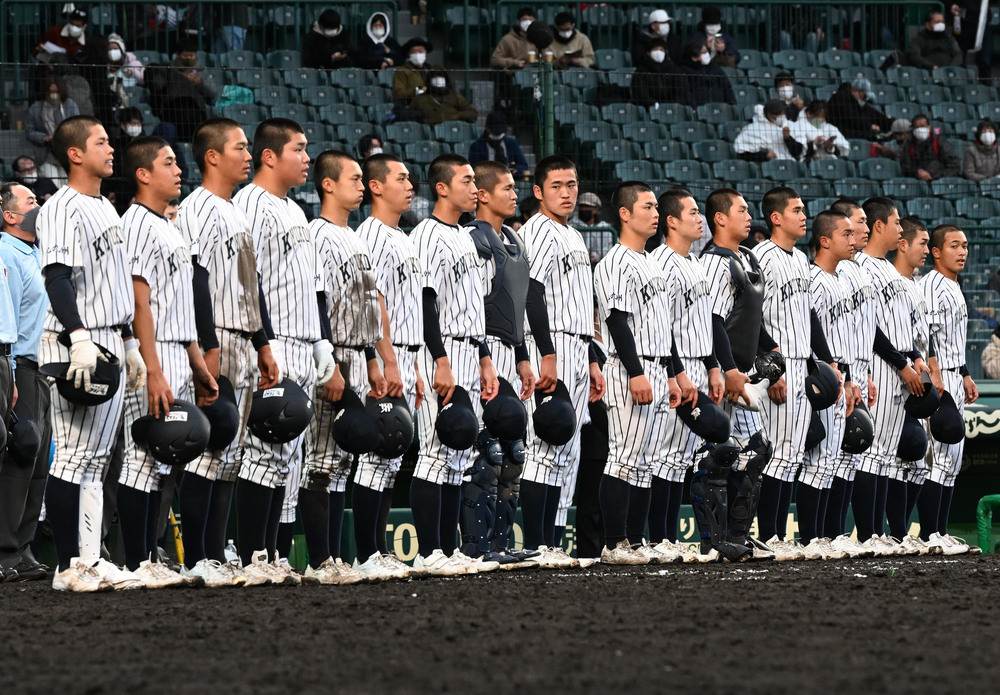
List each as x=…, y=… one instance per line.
x=894, y=289
x=407, y=268
x=652, y=288
x=359, y=262
x=793, y=287
x=464, y=264
x=104, y=242
x=865, y=295
x=575, y=259
x=695, y=292
x=841, y=309
x=295, y=236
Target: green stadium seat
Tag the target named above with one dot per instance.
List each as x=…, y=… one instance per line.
x=929, y=94
x=734, y=171
x=955, y=74
x=713, y=151
x=237, y=60
x=381, y=113
x=351, y=77
x=605, y=25
x=886, y=93
x=793, y=60
x=272, y=95
x=645, y=131
x=990, y=187
x=320, y=95
x=576, y=112
x=905, y=188
x=405, y=132
x=369, y=94
x=666, y=150
x=244, y=114
x=810, y=188
x=303, y=78
x=296, y=112
x=456, y=132
x=975, y=94
x=831, y=169
x=285, y=20
x=977, y=208
x=284, y=59
x=965, y=130
x=782, y=169
x=254, y=78
x=612, y=59
x=879, y=169
x=954, y=187
x=638, y=170
x=874, y=59
x=856, y=189
x=623, y=113
x=671, y=113
x=620, y=78
x=951, y=112
x=715, y=113
x=468, y=34
x=338, y=114
x=824, y=92
x=352, y=132
x=749, y=94
x=990, y=111
x=700, y=189
x=692, y=131
x=849, y=74
x=745, y=113
x=903, y=109
x=763, y=76
x=148, y=58
x=316, y=131
x=595, y=131
x=320, y=146
x=814, y=76
x=422, y=152
x=860, y=150
x=385, y=77
x=754, y=189
x=750, y=59
x=613, y=151
x=819, y=204
x=930, y=209
x=836, y=59
x=578, y=78
x=686, y=170
x=729, y=131
x=907, y=75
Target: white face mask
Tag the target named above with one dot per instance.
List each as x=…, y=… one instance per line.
x=780, y=121
x=375, y=150
x=418, y=58
x=938, y=28
x=524, y=24
x=333, y=32
x=133, y=131
x=663, y=29
x=786, y=92
x=713, y=28
x=705, y=58
x=922, y=133
x=988, y=138
x=74, y=30
x=817, y=122
x=30, y=178
x=566, y=34
x=657, y=56
x=378, y=33
x=438, y=83
x=861, y=102
x=114, y=55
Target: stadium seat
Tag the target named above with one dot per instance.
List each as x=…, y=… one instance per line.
x=990, y=111
x=930, y=209
x=321, y=95
x=793, y=59
x=622, y=113
x=595, y=131
x=860, y=149
x=576, y=112
x=782, y=169
x=763, y=76
x=605, y=25
x=244, y=114
x=965, y=130
x=754, y=189
x=856, y=189
x=749, y=94
x=422, y=152
x=645, y=131
x=810, y=188
x=905, y=188
x=814, y=205
x=351, y=77
x=620, y=78
x=753, y=59
x=951, y=112
x=713, y=151
x=284, y=59
x=879, y=169
x=254, y=78
x=692, y=131
x=955, y=74
x=855, y=72
x=729, y=131
x=236, y=60
x=977, y=208
x=886, y=93
x=303, y=78
x=352, y=132
x=928, y=94
x=954, y=187
x=875, y=58
x=990, y=187
x=405, y=132
x=272, y=95
x=814, y=76
x=579, y=78
x=369, y=94
x=907, y=75
x=714, y=113
x=686, y=170
x=836, y=59
x=612, y=59
x=456, y=132
x=734, y=171
x=299, y=113
x=316, y=131
x=831, y=169
x=903, y=109
x=700, y=189
x=638, y=170
x=975, y=94
x=614, y=151
x=148, y=58
x=666, y=150
x=671, y=113
x=336, y=114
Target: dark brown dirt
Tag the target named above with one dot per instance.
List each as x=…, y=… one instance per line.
x=865, y=626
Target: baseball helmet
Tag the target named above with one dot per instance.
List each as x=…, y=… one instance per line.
x=769, y=366
x=947, y=424
x=281, y=413
x=859, y=430
x=505, y=416
x=23, y=439
x=705, y=419
x=554, y=417
x=822, y=384
x=926, y=405
x=353, y=429
x=223, y=416
x=913, y=440
x=457, y=425
x=816, y=432
x=393, y=425
x=174, y=438
x=104, y=382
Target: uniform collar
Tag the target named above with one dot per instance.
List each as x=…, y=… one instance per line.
x=19, y=244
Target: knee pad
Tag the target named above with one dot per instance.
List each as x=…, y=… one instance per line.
x=318, y=481
x=760, y=450
x=509, y=483
x=719, y=459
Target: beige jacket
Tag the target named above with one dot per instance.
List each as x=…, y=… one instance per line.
x=579, y=45
x=512, y=49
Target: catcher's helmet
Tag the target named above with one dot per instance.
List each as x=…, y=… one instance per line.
x=353, y=430
x=926, y=405
x=281, y=413
x=223, y=416
x=174, y=438
x=912, y=441
x=393, y=425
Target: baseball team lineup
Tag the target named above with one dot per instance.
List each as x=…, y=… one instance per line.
x=274, y=360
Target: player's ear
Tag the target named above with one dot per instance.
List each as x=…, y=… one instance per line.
x=75, y=155
x=142, y=175
x=537, y=190
x=375, y=187
x=441, y=188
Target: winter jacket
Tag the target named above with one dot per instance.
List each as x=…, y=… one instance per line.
x=578, y=44
x=935, y=155
x=317, y=49
x=806, y=133
x=35, y=124
x=658, y=83
x=512, y=49
x=373, y=52
x=853, y=119
x=408, y=79
x=761, y=136
x=981, y=162
x=450, y=106
x=930, y=48
x=482, y=150
x=707, y=84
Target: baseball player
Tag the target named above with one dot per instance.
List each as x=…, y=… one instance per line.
x=560, y=274
x=455, y=354
x=633, y=300
x=948, y=318
x=162, y=281
x=504, y=264
x=22, y=485
x=832, y=243
x=301, y=346
x=90, y=303
x=355, y=319
x=891, y=371
x=398, y=277
x=790, y=320
x=232, y=324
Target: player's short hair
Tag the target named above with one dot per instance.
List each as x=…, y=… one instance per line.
x=328, y=165
x=911, y=225
x=627, y=193
x=488, y=174
x=776, y=200
x=942, y=231
x=72, y=132
x=669, y=204
x=442, y=170
x=376, y=168
x=211, y=135
x=554, y=162
x=7, y=196
x=823, y=225
x=272, y=134
x=141, y=153
x=879, y=208
x=720, y=200
x=845, y=205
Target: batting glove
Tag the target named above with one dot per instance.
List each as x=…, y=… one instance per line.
x=83, y=356
x=135, y=367
x=325, y=364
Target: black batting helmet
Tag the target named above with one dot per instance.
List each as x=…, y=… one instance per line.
x=174, y=438
x=859, y=430
x=393, y=425
x=816, y=432
x=104, y=382
x=281, y=413
x=554, y=417
x=457, y=425
x=947, y=424
x=913, y=440
x=223, y=416
x=769, y=366
x=353, y=429
x=505, y=416
x=925, y=405
x=706, y=419
x=23, y=440
x=822, y=384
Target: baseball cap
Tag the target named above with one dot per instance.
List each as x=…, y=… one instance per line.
x=774, y=107
x=900, y=125
x=658, y=16
x=590, y=199
x=864, y=85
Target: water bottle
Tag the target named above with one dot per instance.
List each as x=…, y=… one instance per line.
x=232, y=557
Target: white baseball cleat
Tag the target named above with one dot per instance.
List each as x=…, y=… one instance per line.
x=80, y=577
x=119, y=578
x=554, y=558
x=156, y=575
x=213, y=574
x=478, y=563
x=846, y=545
x=669, y=552
x=375, y=567
x=622, y=554
x=437, y=564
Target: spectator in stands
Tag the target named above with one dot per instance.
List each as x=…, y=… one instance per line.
x=377, y=50
x=821, y=140
x=441, y=102
x=52, y=107
x=926, y=155
x=933, y=47
x=897, y=135
x=25, y=172
x=512, y=51
x=659, y=29
x=721, y=45
x=982, y=158
x=768, y=136
x=784, y=89
x=410, y=80
x=119, y=187
x=107, y=92
x=526, y=208
x=122, y=65
x=232, y=20
x=657, y=80
x=179, y=94
x=327, y=46
x=369, y=145
x=171, y=212
x=851, y=111
x=570, y=48
x=61, y=42
x=498, y=145
x=706, y=83
x=598, y=234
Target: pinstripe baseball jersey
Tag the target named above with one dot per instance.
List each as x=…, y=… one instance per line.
x=286, y=261
x=948, y=316
x=349, y=282
x=918, y=317
x=893, y=296
x=561, y=262
x=864, y=306
x=450, y=265
x=786, y=298
x=691, y=301
x=158, y=253
x=833, y=303
x=220, y=239
x=722, y=289
x=84, y=232
x=634, y=283
x=399, y=279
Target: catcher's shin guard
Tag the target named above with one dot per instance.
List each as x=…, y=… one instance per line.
x=479, y=494
x=709, y=500
x=744, y=488
x=508, y=488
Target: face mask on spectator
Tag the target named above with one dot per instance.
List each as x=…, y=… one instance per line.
x=375, y=150
x=418, y=58
x=780, y=121
x=333, y=32
x=861, y=102
x=524, y=24
x=988, y=137
x=938, y=27
x=817, y=122
x=378, y=33
x=658, y=56
x=663, y=29
x=706, y=58
x=114, y=55
x=133, y=131
x=566, y=34
x=30, y=177
x=74, y=30
x=54, y=97
x=786, y=92
x=189, y=62
x=922, y=133
x=438, y=83
x=712, y=29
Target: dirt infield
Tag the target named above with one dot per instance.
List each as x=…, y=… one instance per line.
x=867, y=626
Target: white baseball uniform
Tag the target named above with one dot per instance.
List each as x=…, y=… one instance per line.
x=916, y=471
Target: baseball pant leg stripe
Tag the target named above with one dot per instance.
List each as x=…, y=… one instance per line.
x=946, y=459
x=888, y=415
x=378, y=473
x=786, y=423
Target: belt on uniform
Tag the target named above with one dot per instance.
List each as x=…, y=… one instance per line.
x=27, y=363
x=957, y=370
x=662, y=361
x=243, y=334
x=5, y=349
x=842, y=367
x=356, y=348
x=466, y=339
x=408, y=348
x=579, y=336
